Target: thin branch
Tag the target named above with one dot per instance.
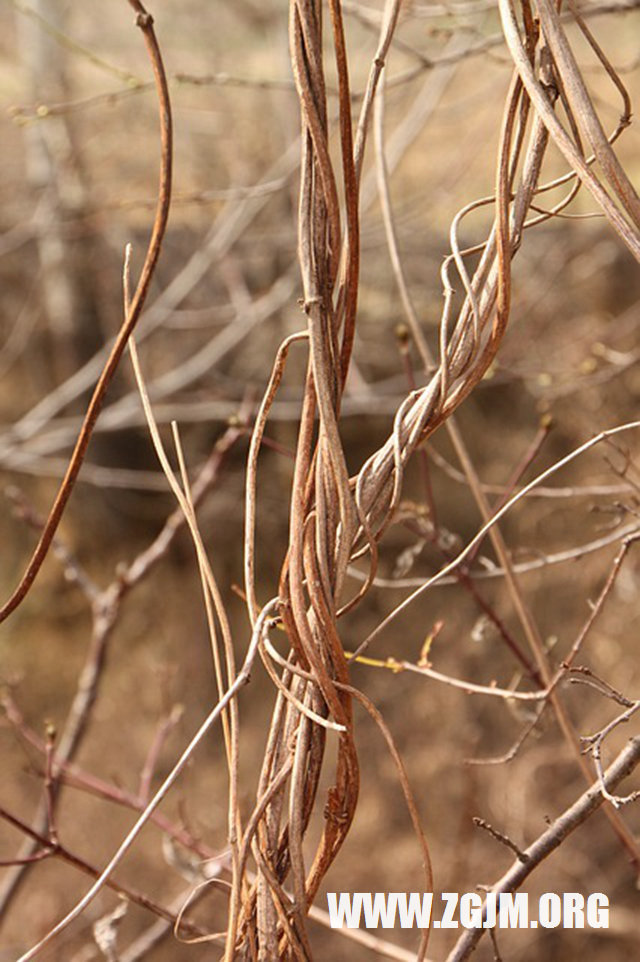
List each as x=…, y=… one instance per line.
x=552, y=838
x=145, y=22
x=104, y=877
x=461, y=556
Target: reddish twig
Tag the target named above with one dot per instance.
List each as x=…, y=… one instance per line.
x=51, y=849
x=145, y=22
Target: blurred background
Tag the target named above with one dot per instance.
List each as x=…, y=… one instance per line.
x=79, y=175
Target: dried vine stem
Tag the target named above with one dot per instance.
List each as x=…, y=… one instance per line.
x=324, y=522
x=627, y=229
x=144, y=21
x=333, y=519
x=567, y=70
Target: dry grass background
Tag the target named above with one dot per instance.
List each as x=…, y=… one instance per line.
x=571, y=352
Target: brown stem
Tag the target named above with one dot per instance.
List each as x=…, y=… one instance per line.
x=145, y=22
